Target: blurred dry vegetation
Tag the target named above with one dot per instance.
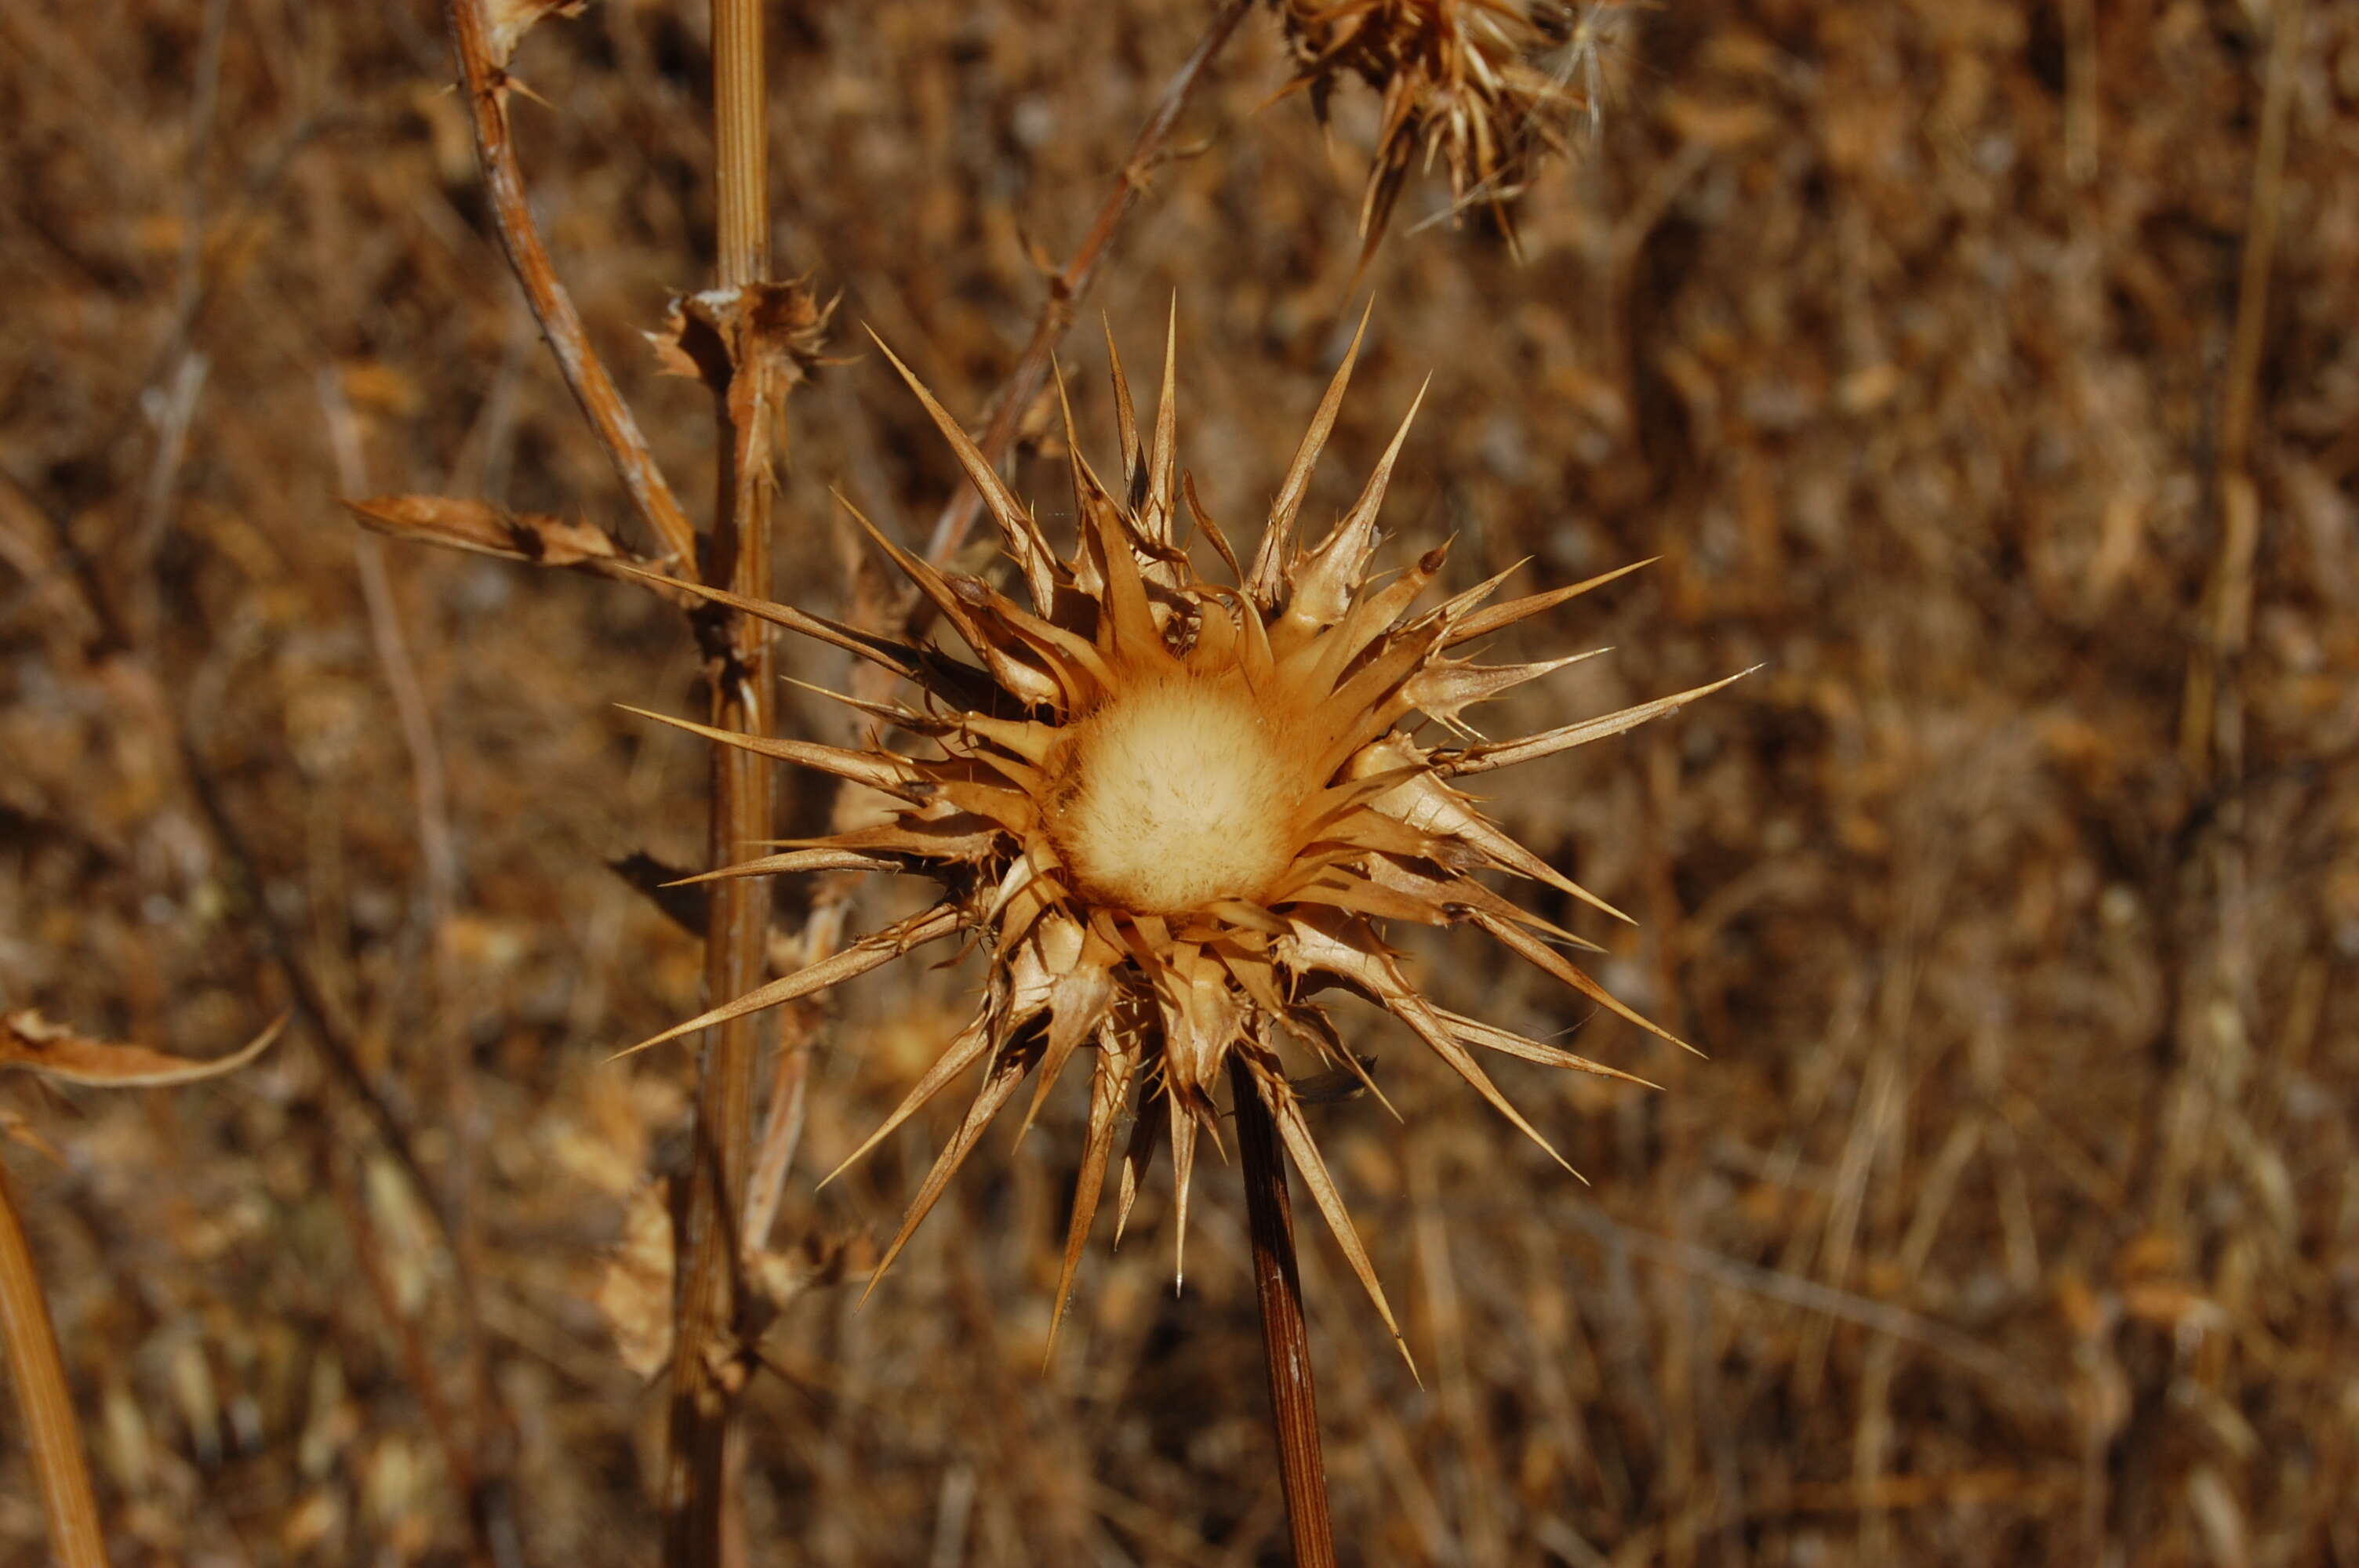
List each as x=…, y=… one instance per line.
x=1986, y=367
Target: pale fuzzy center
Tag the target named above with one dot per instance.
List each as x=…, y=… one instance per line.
x=1177, y=794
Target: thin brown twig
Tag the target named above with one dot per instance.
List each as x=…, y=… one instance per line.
x=1285, y=1341
x=486, y=88
x=708, y=1344
x=52, y=1431
x=481, y=1464
x=490, y=1506
x=2211, y=716
x=1073, y=281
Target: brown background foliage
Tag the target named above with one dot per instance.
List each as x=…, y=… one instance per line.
x=2015, y=1217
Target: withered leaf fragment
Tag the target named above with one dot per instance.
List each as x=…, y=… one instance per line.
x=31, y=1042
x=487, y=529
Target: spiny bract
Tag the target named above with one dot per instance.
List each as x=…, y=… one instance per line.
x=1174, y=810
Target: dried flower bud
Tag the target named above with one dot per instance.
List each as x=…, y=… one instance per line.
x=1489, y=88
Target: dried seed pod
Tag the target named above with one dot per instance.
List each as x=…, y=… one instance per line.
x=1487, y=88
x=1173, y=810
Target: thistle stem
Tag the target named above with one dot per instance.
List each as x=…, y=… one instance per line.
x=707, y=1355
x=1286, y=1342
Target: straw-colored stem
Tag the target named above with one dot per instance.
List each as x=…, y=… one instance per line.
x=1073, y=281
x=706, y=1349
x=50, y=1430
x=1285, y=1341
x=486, y=94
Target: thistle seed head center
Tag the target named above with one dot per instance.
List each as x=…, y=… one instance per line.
x=1177, y=793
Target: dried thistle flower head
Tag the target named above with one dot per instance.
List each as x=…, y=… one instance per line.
x=1487, y=87
x=1174, y=810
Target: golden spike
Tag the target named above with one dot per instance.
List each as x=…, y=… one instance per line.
x=1332, y=573
x=1126, y=625
x=896, y=713
x=1307, y=1162
x=1205, y=524
x=1161, y=501
x=1456, y=890
x=1525, y=946
x=1090, y=497
x=1447, y=687
x=877, y=770
x=1337, y=889
x=1071, y=1019
x=1363, y=963
x=870, y=952
x=1483, y=623
x=1322, y=657
x=1031, y=742
x=1076, y=464
x=897, y=658
x=1507, y=753
x=1267, y=582
x=1052, y=642
x=1109, y=1087
x=1126, y=419
x=1145, y=1133
x=1018, y=679
x=1474, y=1031
x=968, y=1046
x=952, y=841
x=1366, y=694
x=1005, y=1074
x=1458, y=606
x=1423, y=801
x=1024, y=544
x=1183, y=1167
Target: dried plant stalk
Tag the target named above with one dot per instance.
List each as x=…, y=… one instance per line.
x=709, y=1309
x=52, y=1432
x=482, y=50
x=1285, y=1338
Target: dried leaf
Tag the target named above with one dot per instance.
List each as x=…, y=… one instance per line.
x=508, y=21
x=30, y=1041
x=634, y=1294
x=487, y=529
